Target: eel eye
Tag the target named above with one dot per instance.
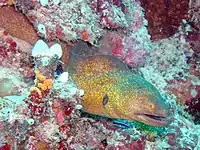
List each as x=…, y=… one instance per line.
x=152, y=106
x=105, y=99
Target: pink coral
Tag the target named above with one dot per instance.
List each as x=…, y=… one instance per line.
x=164, y=16
x=137, y=23
x=91, y=16
x=118, y=49
x=135, y=58
x=134, y=55
x=108, y=13
x=182, y=90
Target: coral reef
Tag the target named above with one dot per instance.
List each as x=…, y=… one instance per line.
x=132, y=45
x=171, y=57
x=17, y=25
x=164, y=16
x=91, y=21
x=7, y=2
x=183, y=134
x=194, y=19
x=40, y=109
x=51, y=22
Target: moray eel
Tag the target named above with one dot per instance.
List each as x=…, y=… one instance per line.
x=113, y=91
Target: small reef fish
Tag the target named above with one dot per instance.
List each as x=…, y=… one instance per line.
x=113, y=91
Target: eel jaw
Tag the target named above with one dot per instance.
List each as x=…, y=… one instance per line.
x=154, y=120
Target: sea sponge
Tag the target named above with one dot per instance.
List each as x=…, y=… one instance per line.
x=42, y=84
x=48, y=83
x=43, y=87
x=39, y=76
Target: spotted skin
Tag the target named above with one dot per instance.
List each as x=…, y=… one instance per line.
x=128, y=96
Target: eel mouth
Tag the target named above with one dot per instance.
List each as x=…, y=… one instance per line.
x=155, y=120
x=155, y=117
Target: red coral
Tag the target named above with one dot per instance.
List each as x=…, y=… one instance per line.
x=164, y=16
x=65, y=129
x=7, y=45
x=68, y=110
x=5, y=147
x=36, y=104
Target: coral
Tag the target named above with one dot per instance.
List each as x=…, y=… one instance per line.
x=36, y=104
x=49, y=134
x=6, y=146
x=65, y=27
x=42, y=86
x=164, y=16
x=111, y=14
x=91, y=22
x=170, y=56
x=194, y=19
x=8, y=45
x=12, y=82
x=21, y=46
x=134, y=47
x=14, y=121
x=193, y=107
x=135, y=54
x=184, y=90
x=48, y=116
x=186, y=136
x=7, y=2
x=17, y=24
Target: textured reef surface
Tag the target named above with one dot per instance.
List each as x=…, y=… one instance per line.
x=42, y=104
